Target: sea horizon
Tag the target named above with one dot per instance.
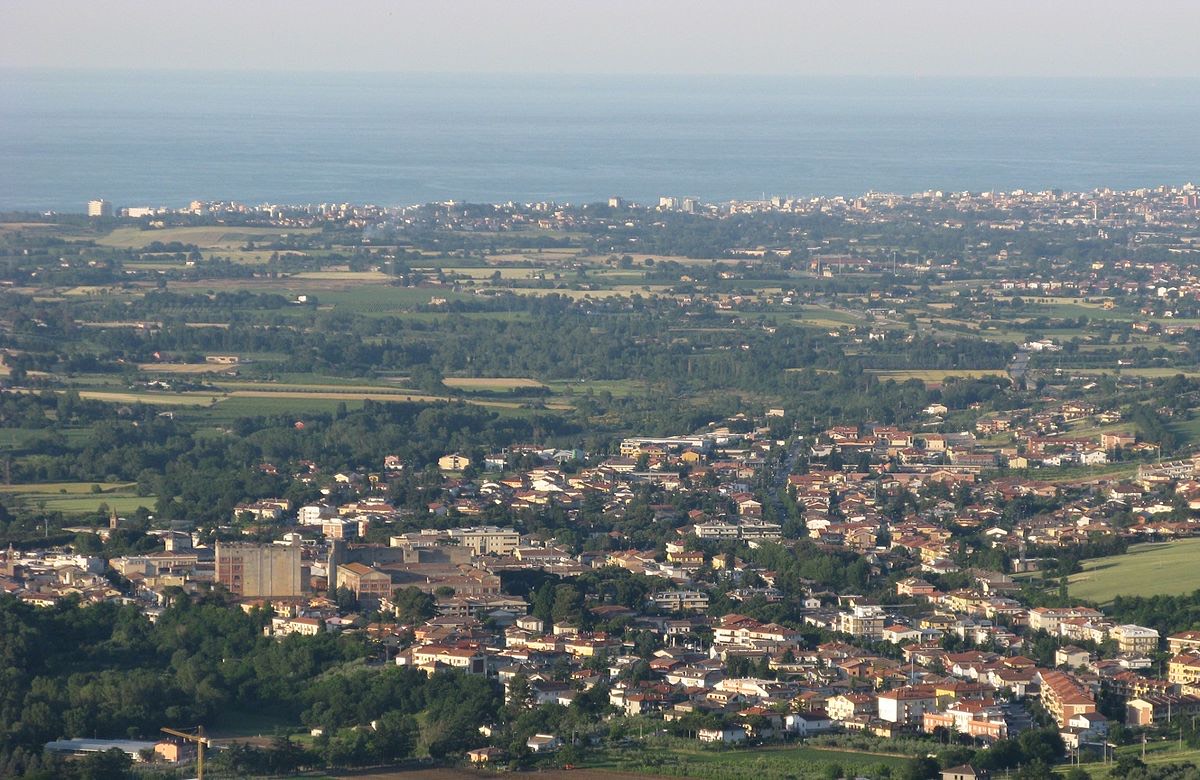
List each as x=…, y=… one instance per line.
x=168, y=137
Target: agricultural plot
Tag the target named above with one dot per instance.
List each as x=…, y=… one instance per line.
x=205, y=237
x=491, y=383
x=765, y=763
x=934, y=376
x=79, y=498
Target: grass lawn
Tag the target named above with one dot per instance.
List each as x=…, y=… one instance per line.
x=1146, y=570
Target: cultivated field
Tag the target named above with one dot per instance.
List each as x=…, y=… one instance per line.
x=206, y=237
x=490, y=383
x=183, y=368
x=937, y=376
x=1146, y=570
x=166, y=399
x=79, y=498
x=772, y=763
x=1157, y=372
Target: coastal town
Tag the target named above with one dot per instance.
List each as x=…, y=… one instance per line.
x=911, y=483
x=918, y=640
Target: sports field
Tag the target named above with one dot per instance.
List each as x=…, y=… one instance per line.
x=1146, y=570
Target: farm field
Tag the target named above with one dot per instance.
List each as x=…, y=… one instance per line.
x=620, y=388
x=935, y=376
x=1167, y=752
x=1156, y=372
x=207, y=237
x=78, y=498
x=772, y=763
x=463, y=773
x=490, y=383
x=1146, y=570
x=183, y=368
x=166, y=399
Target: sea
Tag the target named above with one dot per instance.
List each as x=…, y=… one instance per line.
x=166, y=138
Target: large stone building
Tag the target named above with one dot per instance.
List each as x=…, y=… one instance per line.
x=259, y=570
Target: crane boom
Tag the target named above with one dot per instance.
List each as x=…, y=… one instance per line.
x=201, y=742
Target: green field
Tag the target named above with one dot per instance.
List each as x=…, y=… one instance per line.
x=768, y=763
x=1146, y=570
x=936, y=375
x=1161, y=752
x=1157, y=372
x=78, y=498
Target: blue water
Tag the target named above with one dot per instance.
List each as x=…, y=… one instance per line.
x=166, y=138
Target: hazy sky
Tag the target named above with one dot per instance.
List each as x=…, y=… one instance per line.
x=829, y=37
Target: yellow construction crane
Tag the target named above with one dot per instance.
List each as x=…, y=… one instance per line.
x=201, y=743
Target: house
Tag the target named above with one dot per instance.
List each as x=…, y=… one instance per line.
x=543, y=743
x=808, y=722
x=453, y=462
x=965, y=772
x=485, y=755
x=727, y=736
x=848, y=706
x=1086, y=728
x=1071, y=656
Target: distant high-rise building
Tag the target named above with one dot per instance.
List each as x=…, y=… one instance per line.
x=668, y=202
x=615, y=203
x=689, y=205
x=99, y=208
x=259, y=570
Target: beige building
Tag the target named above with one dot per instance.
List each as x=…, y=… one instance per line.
x=487, y=539
x=454, y=462
x=1184, y=669
x=1135, y=639
x=259, y=570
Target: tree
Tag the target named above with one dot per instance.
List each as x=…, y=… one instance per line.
x=1126, y=764
x=568, y=605
x=114, y=764
x=413, y=605
x=346, y=600
x=1045, y=745
x=922, y=768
